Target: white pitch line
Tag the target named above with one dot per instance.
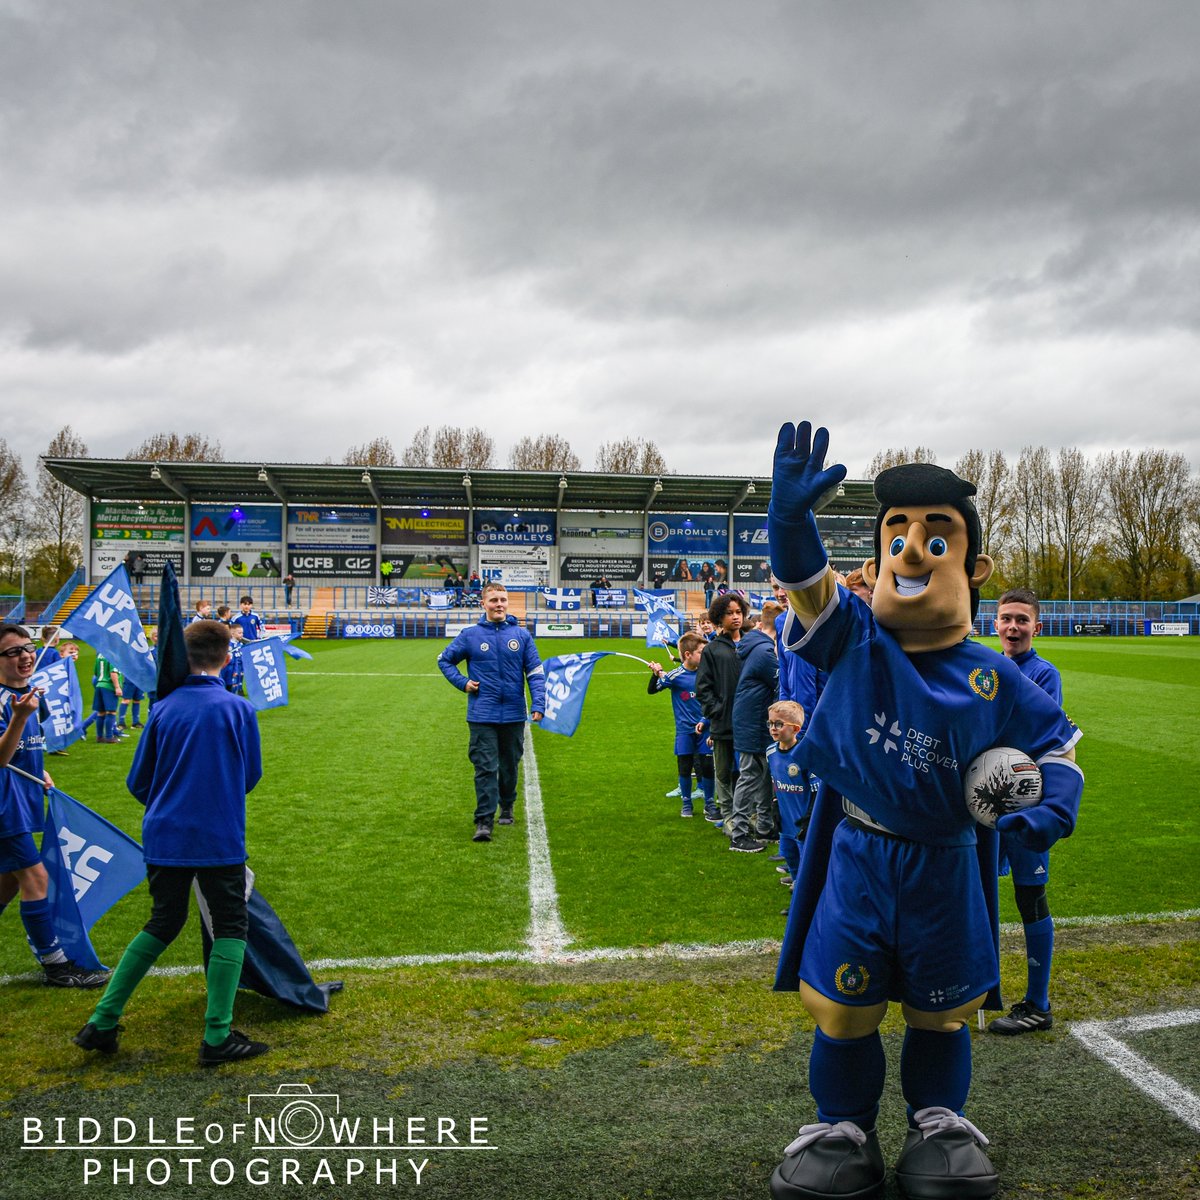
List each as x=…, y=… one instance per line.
x=547, y=934
x=1161, y=1088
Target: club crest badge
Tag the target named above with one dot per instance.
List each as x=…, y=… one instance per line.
x=514, y=644
x=852, y=981
x=985, y=683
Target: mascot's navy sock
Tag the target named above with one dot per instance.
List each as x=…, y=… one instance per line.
x=1039, y=951
x=935, y=1069
x=706, y=788
x=845, y=1076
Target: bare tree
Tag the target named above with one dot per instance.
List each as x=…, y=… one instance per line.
x=377, y=452
x=171, y=447
x=989, y=472
x=1077, y=515
x=464, y=449
x=1032, y=498
x=630, y=456
x=896, y=458
x=13, y=487
x=547, y=452
x=1148, y=497
x=416, y=454
x=58, y=509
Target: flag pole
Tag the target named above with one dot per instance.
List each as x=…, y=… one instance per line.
x=52, y=642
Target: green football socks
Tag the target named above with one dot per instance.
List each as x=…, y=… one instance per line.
x=140, y=955
x=224, y=973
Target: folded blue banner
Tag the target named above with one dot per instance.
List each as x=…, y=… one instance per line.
x=265, y=665
x=91, y=865
x=108, y=621
x=64, y=703
x=172, y=668
x=567, y=679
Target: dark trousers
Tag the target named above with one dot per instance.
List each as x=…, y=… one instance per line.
x=495, y=752
x=223, y=889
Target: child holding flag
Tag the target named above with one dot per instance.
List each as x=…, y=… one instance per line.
x=22, y=811
x=199, y=756
x=691, y=748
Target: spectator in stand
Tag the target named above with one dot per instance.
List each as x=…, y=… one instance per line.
x=385, y=572
x=599, y=584
x=659, y=578
x=289, y=584
x=708, y=578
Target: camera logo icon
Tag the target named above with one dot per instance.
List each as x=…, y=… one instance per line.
x=299, y=1112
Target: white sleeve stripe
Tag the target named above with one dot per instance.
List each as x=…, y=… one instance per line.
x=1052, y=760
x=537, y=670
x=824, y=615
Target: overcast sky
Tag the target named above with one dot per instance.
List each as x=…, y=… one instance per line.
x=296, y=226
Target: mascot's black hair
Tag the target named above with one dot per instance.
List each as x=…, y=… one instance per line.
x=925, y=483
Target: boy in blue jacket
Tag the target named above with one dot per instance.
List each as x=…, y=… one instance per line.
x=199, y=756
x=500, y=657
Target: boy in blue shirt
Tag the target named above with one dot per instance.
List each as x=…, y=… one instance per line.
x=792, y=783
x=198, y=757
x=22, y=811
x=250, y=622
x=1018, y=622
x=691, y=745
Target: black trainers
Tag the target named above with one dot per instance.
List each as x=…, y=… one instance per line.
x=1022, y=1018
x=944, y=1158
x=233, y=1049
x=103, y=1040
x=483, y=832
x=67, y=974
x=506, y=817
x=712, y=814
x=746, y=845
x=830, y=1161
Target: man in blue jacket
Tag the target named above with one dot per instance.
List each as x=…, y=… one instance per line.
x=500, y=656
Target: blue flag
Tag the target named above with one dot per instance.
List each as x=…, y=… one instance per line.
x=562, y=598
x=294, y=651
x=108, y=621
x=655, y=602
x=567, y=678
x=265, y=667
x=659, y=633
x=272, y=966
x=91, y=864
x=171, y=650
x=64, y=700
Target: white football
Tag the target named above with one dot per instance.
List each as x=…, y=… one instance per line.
x=1001, y=781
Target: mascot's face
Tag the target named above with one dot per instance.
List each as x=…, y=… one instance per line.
x=921, y=583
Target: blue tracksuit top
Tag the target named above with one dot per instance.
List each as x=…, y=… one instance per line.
x=500, y=657
x=197, y=758
x=757, y=689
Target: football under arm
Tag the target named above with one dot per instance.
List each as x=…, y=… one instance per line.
x=1054, y=817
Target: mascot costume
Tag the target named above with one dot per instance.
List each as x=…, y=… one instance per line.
x=897, y=897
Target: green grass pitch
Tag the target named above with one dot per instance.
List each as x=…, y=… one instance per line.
x=638, y=1078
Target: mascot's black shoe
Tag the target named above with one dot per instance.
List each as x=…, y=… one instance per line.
x=830, y=1162
x=944, y=1159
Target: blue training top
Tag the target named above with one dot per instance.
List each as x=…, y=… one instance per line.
x=22, y=803
x=197, y=758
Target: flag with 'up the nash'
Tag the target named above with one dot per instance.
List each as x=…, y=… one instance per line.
x=63, y=699
x=265, y=665
x=567, y=679
x=108, y=621
x=659, y=633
